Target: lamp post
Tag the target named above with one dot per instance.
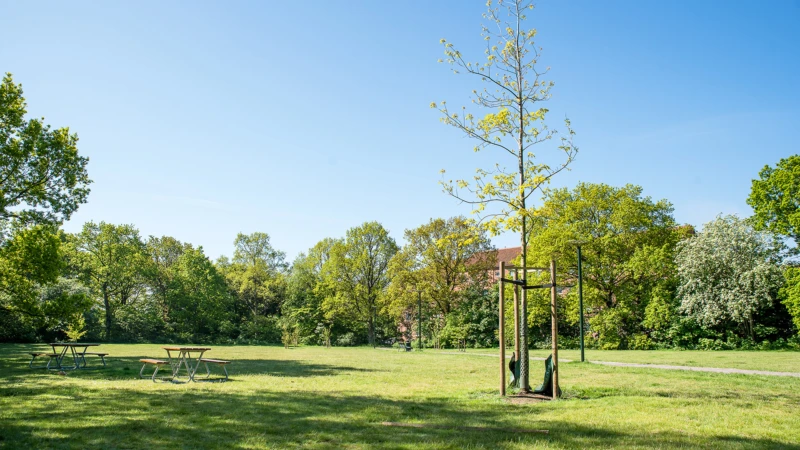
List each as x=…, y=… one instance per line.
x=580, y=291
x=419, y=319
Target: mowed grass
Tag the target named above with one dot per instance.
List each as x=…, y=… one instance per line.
x=776, y=361
x=337, y=398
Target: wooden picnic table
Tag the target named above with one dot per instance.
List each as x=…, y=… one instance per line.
x=77, y=357
x=183, y=359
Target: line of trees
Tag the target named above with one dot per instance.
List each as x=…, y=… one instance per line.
x=649, y=282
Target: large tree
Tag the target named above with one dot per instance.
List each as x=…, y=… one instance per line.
x=790, y=295
x=110, y=260
x=516, y=88
x=198, y=297
x=257, y=274
x=43, y=179
x=305, y=292
x=356, y=273
x=628, y=245
x=440, y=260
x=160, y=271
x=775, y=198
x=255, y=249
x=728, y=272
x=31, y=257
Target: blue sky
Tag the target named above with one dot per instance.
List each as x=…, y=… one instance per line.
x=303, y=119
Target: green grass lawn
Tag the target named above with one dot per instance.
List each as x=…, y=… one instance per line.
x=778, y=361
x=334, y=398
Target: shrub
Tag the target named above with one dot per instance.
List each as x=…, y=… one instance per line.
x=262, y=329
x=346, y=340
x=641, y=342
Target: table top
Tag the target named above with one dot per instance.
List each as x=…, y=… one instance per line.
x=72, y=344
x=187, y=349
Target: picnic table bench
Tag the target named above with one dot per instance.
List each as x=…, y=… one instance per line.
x=156, y=362
x=220, y=362
x=73, y=348
x=101, y=355
x=184, y=361
x=35, y=355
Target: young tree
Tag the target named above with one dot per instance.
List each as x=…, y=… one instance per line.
x=516, y=89
x=357, y=273
x=43, y=180
x=775, y=198
x=109, y=259
x=727, y=272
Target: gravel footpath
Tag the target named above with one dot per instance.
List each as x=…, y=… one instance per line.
x=657, y=366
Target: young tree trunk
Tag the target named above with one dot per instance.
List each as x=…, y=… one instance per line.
x=524, y=364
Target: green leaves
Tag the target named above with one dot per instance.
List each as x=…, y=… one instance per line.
x=32, y=257
x=775, y=198
x=110, y=260
x=441, y=259
x=628, y=242
x=513, y=125
x=355, y=274
x=42, y=176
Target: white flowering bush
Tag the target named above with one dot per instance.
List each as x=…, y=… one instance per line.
x=727, y=272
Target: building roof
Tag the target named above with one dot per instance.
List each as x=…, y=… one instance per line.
x=507, y=255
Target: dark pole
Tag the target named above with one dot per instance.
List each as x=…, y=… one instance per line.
x=580, y=296
x=501, y=336
x=419, y=323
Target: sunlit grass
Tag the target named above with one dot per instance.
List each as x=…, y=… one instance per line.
x=333, y=398
x=778, y=361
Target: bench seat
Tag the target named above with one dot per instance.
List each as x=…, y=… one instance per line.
x=220, y=362
x=214, y=361
x=156, y=362
x=49, y=355
x=101, y=355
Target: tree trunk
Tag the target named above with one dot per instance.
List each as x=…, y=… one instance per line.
x=371, y=333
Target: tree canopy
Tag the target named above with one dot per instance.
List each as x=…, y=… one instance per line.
x=775, y=198
x=440, y=260
x=356, y=273
x=627, y=241
x=109, y=259
x=728, y=272
x=43, y=179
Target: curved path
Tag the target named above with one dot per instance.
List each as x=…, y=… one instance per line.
x=658, y=366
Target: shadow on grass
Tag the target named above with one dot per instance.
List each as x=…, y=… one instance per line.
x=36, y=412
x=111, y=418
x=14, y=364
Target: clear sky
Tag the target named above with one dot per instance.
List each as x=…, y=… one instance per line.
x=303, y=119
